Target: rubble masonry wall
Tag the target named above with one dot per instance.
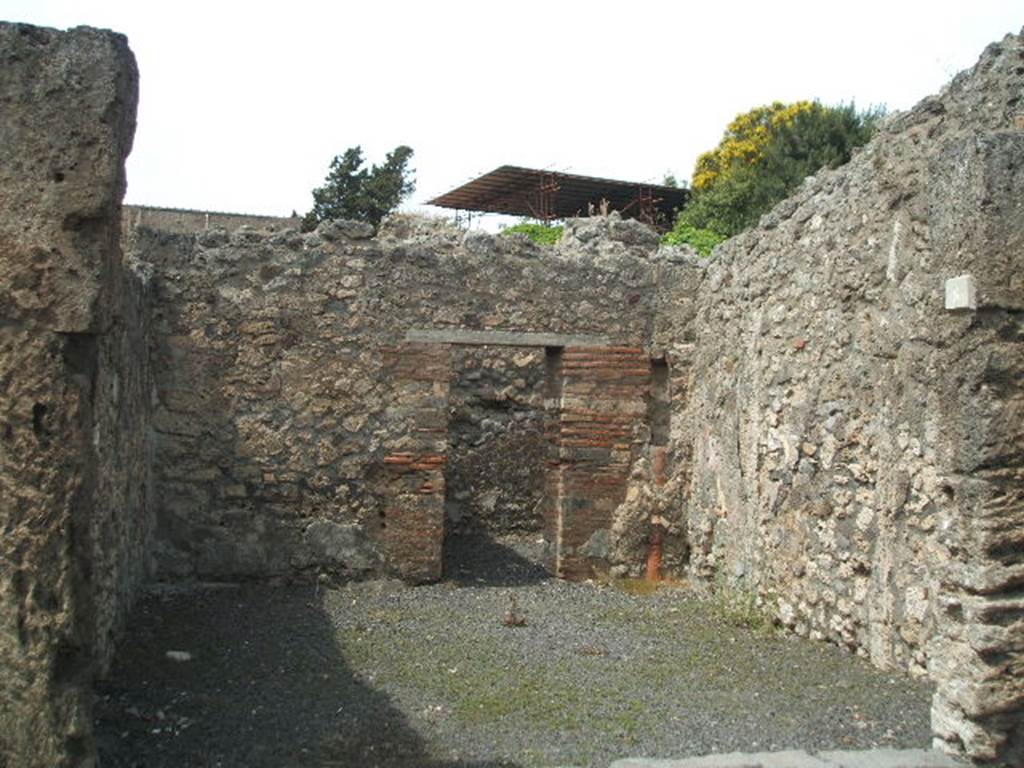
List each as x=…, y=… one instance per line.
x=282, y=410
x=837, y=442
x=858, y=450
x=73, y=385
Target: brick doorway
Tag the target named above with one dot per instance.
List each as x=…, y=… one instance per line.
x=592, y=400
x=495, y=469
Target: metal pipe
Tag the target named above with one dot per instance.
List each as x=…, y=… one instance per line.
x=654, y=554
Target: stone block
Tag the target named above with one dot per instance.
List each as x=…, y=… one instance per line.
x=872, y=758
x=890, y=758
x=789, y=759
x=961, y=293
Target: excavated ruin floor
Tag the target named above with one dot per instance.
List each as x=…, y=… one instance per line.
x=379, y=674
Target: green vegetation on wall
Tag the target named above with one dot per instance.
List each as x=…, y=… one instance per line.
x=544, y=234
x=702, y=240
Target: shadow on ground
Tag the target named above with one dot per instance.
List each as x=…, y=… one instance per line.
x=378, y=674
x=265, y=686
x=477, y=559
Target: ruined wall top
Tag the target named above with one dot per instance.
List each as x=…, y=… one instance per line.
x=187, y=220
x=62, y=168
x=989, y=97
x=73, y=394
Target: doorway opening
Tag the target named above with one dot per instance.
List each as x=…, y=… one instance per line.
x=496, y=467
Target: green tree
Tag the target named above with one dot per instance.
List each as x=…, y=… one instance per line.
x=822, y=137
x=764, y=155
x=743, y=142
x=351, y=191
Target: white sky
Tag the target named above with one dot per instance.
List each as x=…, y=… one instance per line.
x=243, y=104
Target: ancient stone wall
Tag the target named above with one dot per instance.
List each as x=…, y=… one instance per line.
x=73, y=395
x=857, y=447
x=282, y=419
x=498, y=449
x=122, y=522
x=187, y=221
x=810, y=416
x=654, y=513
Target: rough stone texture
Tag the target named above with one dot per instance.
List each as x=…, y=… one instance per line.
x=889, y=758
x=792, y=759
x=122, y=522
x=800, y=416
x=857, y=449
x=286, y=396
x=495, y=476
x=788, y=759
x=650, y=512
x=872, y=758
x=73, y=395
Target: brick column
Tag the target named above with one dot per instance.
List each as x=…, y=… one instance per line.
x=599, y=409
x=411, y=525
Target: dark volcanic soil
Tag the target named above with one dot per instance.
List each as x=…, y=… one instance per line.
x=378, y=674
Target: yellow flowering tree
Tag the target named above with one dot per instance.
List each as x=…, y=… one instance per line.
x=744, y=141
x=762, y=157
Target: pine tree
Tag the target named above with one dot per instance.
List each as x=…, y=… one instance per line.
x=351, y=191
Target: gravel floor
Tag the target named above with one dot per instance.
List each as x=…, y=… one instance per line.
x=378, y=674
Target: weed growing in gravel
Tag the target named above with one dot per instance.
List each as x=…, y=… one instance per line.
x=740, y=607
x=633, y=586
x=630, y=720
x=640, y=587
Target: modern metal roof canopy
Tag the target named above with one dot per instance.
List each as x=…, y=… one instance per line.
x=547, y=195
